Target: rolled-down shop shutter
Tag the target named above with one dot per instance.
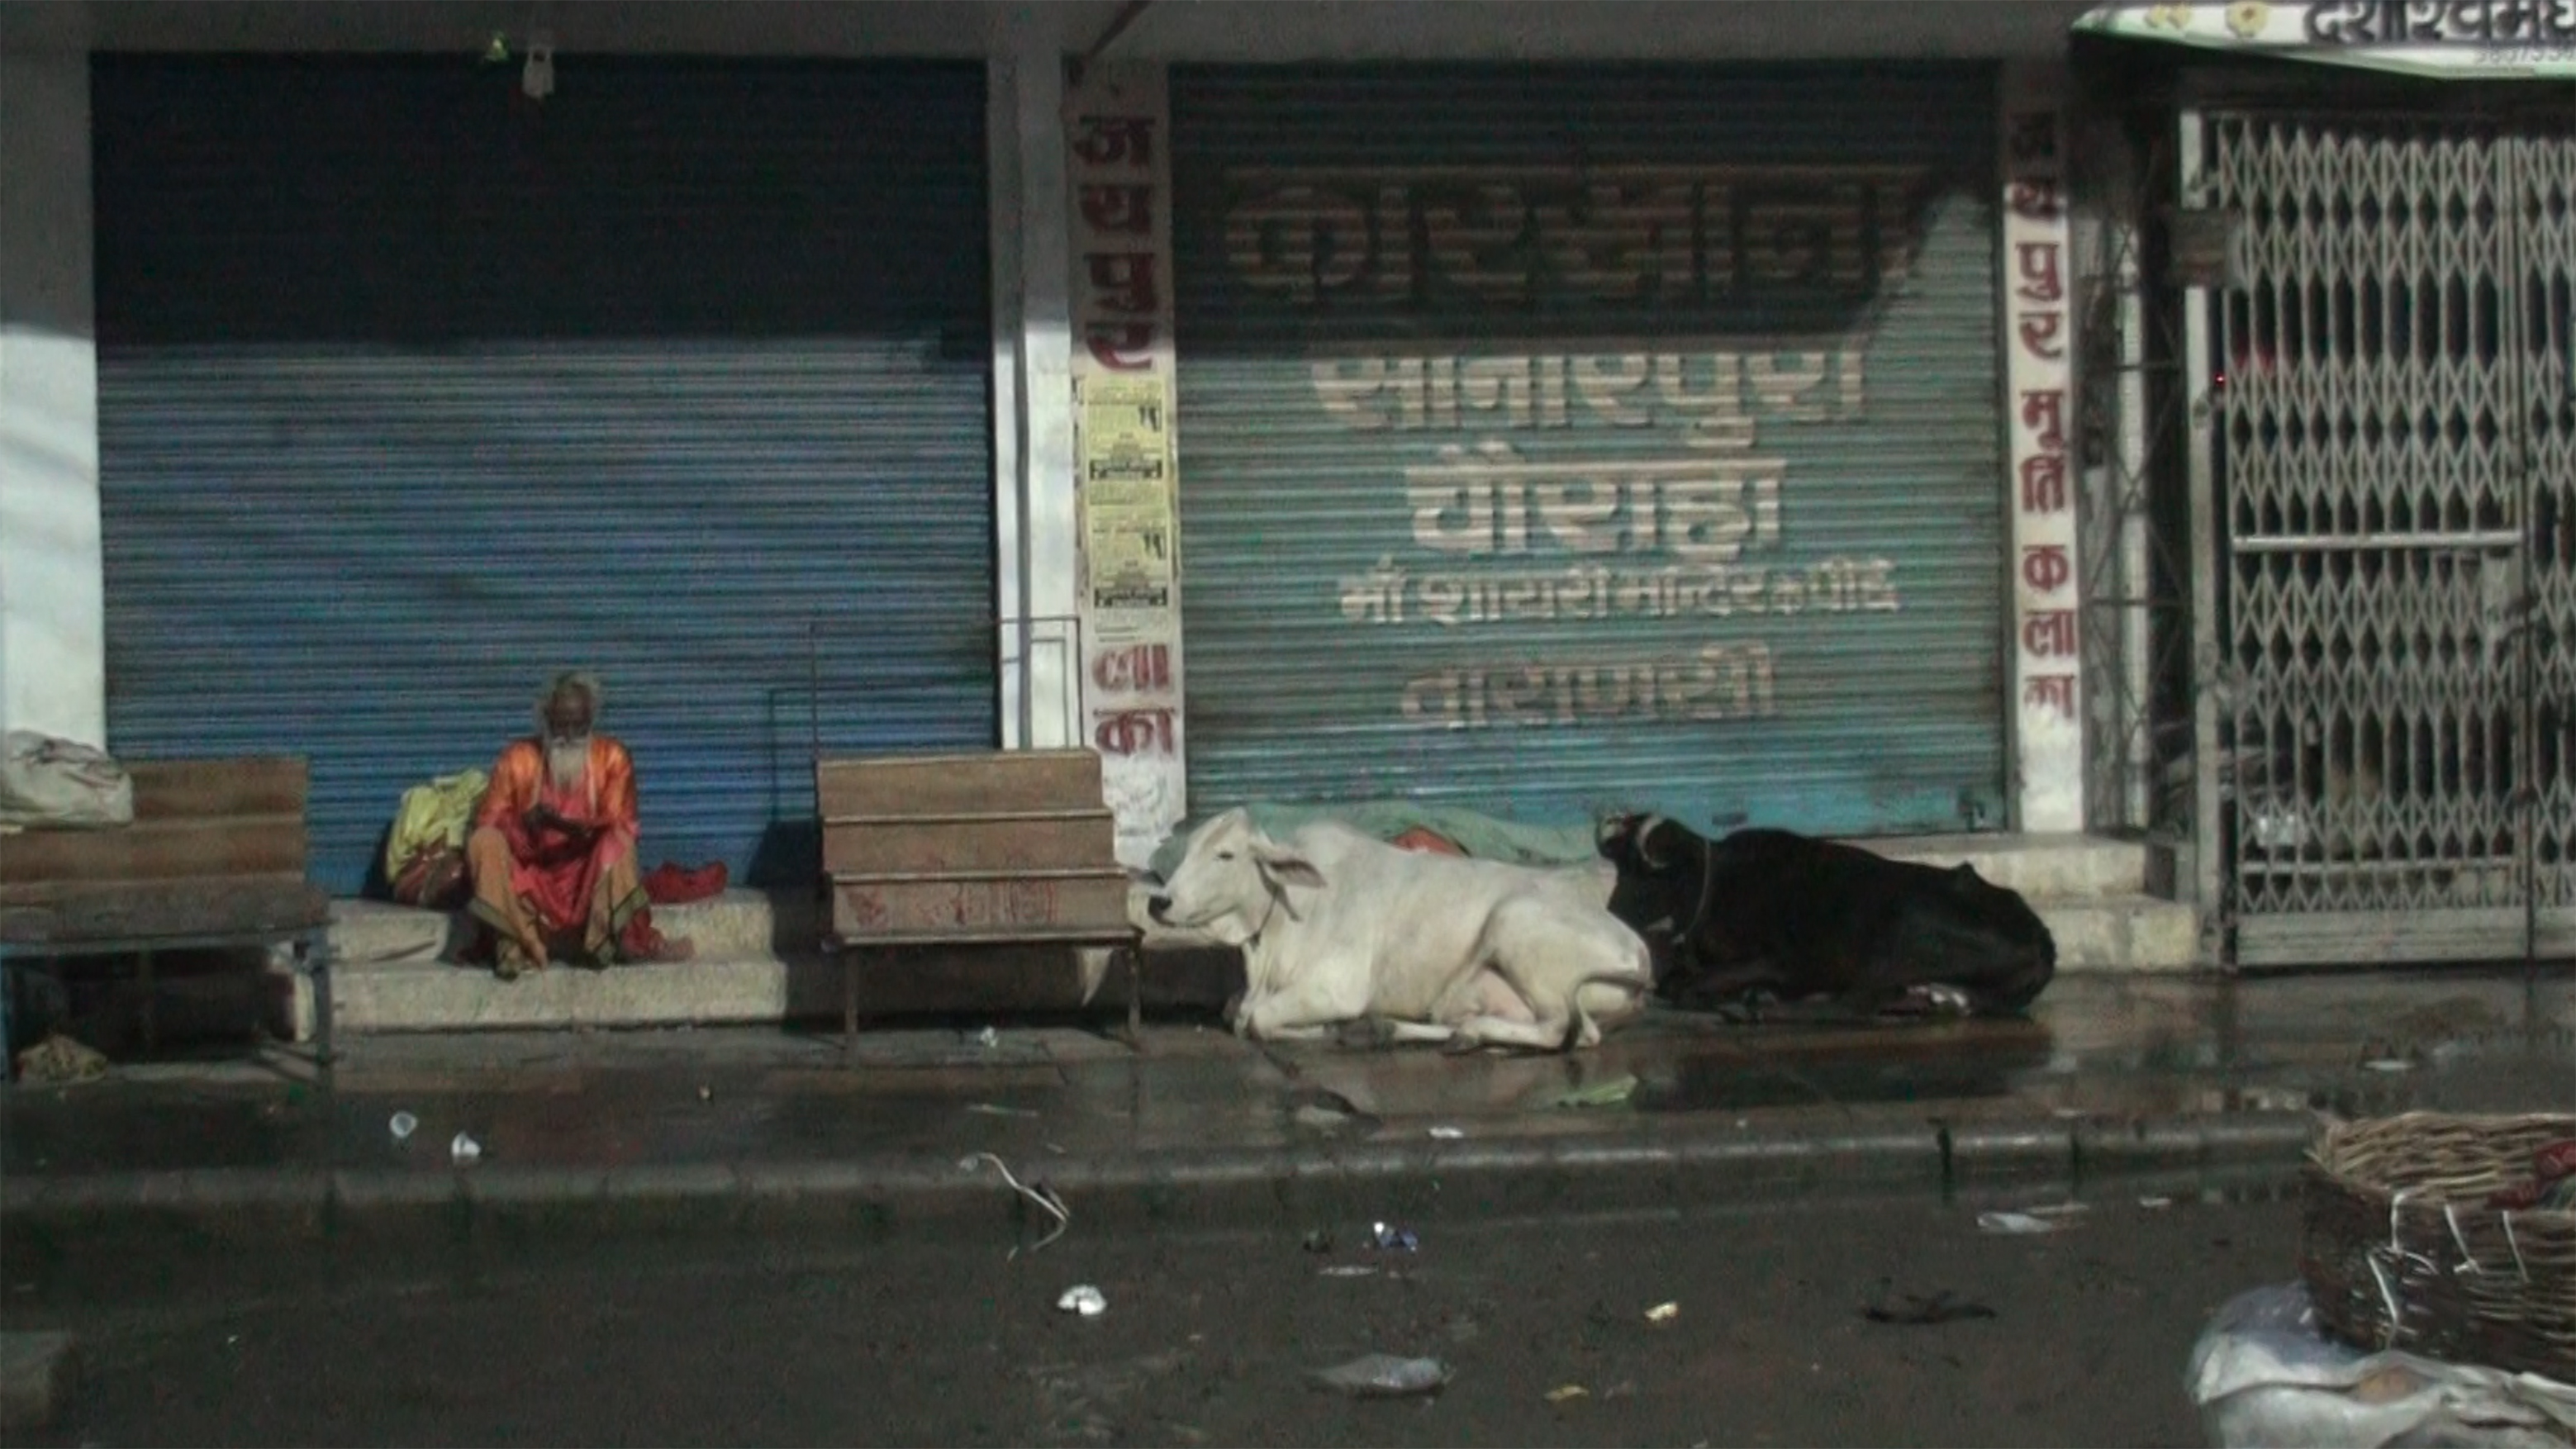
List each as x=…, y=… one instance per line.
x=413, y=390
x=1556, y=440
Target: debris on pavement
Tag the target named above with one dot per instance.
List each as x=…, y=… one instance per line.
x=1345, y=1270
x=1043, y=1195
x=465, y=1150
x=1663, y=1313
x=1566, y=1392
x=2155, y=1204
x=1447, y=1134
x=706, y=1093
x=988, y=1038
x=1913, y=1309
x=1318, y=1240
x=59, y=1058
x=996, y=1109
x=2021, y=1223
x=1393, y=1239
x=1322, y=1109
x=1084, y=1299
x=1383, y=1375
x=402, y=1125
x=1600, y=1094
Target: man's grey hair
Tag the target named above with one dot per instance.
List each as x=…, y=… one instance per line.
x=579, y=681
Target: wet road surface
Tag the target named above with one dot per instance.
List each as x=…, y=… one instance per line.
x=1209, y=1337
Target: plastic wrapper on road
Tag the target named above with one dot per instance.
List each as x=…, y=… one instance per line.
x=2264, y=1373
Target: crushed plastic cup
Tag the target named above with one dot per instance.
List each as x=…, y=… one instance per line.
x=988, y=1038
x=402, y=1126
x=1084, y=1299
x=1663, y=1313
x=1385, y=1376
x=1393, y=1239
x=464, y=1149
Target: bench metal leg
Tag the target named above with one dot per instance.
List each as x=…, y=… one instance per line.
x=151, y=1007
x=1135, y=996
x=317, y=965
x=849, y=1005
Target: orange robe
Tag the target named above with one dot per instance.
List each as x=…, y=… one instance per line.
x=533, y=885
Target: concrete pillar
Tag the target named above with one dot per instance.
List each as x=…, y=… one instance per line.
x=53, y=635
x=1033, y=400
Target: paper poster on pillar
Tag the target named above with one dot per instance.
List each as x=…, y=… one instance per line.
x=2039, y=419
x=1118, y=139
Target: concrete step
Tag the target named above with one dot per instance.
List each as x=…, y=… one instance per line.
x=737, y=925
x=2122, y=933
x=2079, y=867
x=2135, y=933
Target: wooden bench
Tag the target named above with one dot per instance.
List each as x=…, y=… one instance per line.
x=1009, y=848
x=215, y=858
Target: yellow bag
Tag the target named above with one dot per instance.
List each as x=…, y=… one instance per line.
x=434, y=815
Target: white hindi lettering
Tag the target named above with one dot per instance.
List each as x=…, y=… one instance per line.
x=1718, y=396
x=1719, y=682
x=1387, y=594
x=1645, y=235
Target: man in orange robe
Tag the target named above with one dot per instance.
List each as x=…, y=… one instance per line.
x=552, y=853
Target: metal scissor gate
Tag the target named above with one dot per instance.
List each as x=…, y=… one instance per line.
x=2385, y=518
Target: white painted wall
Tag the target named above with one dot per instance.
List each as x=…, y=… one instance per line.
x=53, y=661
x=1049, y=581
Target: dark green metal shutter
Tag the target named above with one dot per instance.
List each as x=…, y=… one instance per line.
x=1344, y=213
x=413, y=389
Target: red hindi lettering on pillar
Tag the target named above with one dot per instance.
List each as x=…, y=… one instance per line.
x=2037, y=198
x=1123, y=282
x=1137, y=669
x=1124, y=732
x=2043, y=483
x=2046, y=567
x=1120, y=346
x=1118, y=209
x=2050, y=633
x=2055, y=691
x=2041, y=279
x=2038, y=332
x=1115, y=140
x=2043, y=410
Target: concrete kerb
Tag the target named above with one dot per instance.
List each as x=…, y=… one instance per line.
x=1658, y=1164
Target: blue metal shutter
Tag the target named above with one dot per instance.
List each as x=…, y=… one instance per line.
x=413, y=390
x=1444, y=229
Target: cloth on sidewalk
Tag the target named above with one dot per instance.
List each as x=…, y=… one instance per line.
x=425, y=853
x=672, y=884
x=2265, y=1373
x=58, y=1059
x=59, y=783
x=1471, y=832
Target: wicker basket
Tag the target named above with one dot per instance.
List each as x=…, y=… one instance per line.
x=2400, y=1250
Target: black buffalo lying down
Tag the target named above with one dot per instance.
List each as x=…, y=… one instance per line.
x=1776, y=912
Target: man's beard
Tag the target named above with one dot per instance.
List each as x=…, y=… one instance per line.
x=568, y=760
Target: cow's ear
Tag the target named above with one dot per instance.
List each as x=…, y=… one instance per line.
x=1286, y=866
x=1645, y=837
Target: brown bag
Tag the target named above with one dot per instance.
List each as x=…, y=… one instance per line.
x=433, y=879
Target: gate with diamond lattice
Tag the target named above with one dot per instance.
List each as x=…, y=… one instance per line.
x=2385, y=501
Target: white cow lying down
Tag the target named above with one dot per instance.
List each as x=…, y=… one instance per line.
x=1338, y=927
